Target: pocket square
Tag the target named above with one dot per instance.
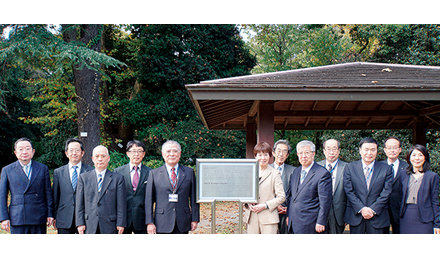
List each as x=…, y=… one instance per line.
x=145, y=182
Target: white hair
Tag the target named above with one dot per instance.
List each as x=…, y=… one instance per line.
x=171, y=142
x=99, y=147
x=306, y=143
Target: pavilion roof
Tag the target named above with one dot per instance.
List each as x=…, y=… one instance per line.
x=358, y=95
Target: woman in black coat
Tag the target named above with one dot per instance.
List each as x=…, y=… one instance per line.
x=420, y=213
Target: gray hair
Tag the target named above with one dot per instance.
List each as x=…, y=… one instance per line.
x=98, y=147
x=171, y=142
x=306, y=143
x=282, y=141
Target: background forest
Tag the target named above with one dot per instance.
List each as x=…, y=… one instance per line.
x=119, y=82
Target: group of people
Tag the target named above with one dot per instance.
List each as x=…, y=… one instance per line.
x=323, y=197
x=315, y=197
x=94, y=200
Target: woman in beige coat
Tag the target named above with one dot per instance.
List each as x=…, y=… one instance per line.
x=262, y=217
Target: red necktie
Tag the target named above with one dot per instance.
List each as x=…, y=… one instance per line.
x=173, y=178
x=135, y=178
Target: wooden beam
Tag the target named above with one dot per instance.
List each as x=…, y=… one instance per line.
x=292, y=105
x=391, y=121
x=348, y=122
x=307, y=122
x=337, y=105
x=430, y=110
x=254, y=108
x=314, y=105
x=344, y=113
x=328, y=121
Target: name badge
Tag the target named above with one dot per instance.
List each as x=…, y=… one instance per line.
x=173, y=197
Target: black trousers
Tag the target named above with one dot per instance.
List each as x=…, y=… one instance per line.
x=365, y=227
x=29, y=229
x=131, y=230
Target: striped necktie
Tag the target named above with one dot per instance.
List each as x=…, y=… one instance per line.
x=99, y=182
x=74, y=177
x=303, y=176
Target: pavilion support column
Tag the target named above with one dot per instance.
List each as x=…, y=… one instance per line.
x=251, y=138
x=265, y=122
x=419, y=132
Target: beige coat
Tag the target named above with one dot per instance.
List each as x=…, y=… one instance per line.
x=272, y=193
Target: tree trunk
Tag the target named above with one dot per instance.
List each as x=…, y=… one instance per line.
x=87, y=83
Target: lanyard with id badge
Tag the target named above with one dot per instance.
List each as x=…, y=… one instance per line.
x=173, y=197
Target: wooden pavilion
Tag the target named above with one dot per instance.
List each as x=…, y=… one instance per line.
x=358, y=95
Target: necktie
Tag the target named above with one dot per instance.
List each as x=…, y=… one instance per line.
x=280, y=169
x=74, y=177
x=303, y=176
x=135, y=178
x=367, y=176
x=173, y=178
x=392, y=170
x=99, y=182
x=330, y=169
x=26, y=170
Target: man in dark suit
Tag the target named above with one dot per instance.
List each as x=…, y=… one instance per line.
x=335, y=166
x=172, y=189
x=28, y=182
x=367, y=184
x=65, y=179
x=309, y=194
x=281, y=151
x=135, y=175
x=392, y=149
x=101, y=205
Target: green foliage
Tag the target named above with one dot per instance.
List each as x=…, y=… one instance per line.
x=196, y=140
x=148, y=100
x=118, y=159
x=281, y=47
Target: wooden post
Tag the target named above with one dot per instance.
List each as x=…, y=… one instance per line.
x=265, y=122
x=251, y=138
x=419, y=132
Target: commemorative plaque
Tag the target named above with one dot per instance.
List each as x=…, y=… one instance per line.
x=227, y=180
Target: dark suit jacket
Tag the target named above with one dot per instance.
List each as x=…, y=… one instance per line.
x=31, y=200
x=107, y=208
x=394, y=203
x=166, y=213
x=339, y=202
x=285, y=177
x=358, y=196
x=427, y=198
x=64, y=195
x=135, y=199
x=309, y=202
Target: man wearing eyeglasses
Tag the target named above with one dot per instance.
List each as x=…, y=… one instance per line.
x=281, y=151
x=65, y=179
x=393, y=149
x=28, y=183
x=136, y=175
x=335, y=166
x=309, y=194
x=367, y=184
